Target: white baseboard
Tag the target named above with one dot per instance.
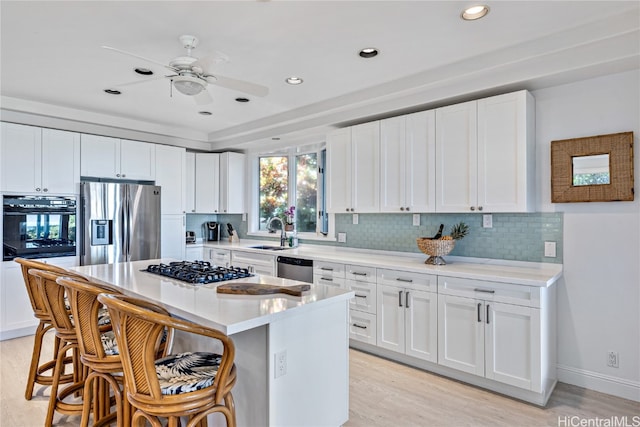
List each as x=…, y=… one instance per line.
x=619, y=387
x=17, y=333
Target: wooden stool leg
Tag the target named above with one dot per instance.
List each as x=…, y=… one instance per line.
x=57, y=373
x=35, y=359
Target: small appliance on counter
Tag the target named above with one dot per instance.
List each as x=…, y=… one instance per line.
x=212, y=231
x=191, y=237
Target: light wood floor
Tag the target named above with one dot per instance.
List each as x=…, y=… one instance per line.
x=382, y=393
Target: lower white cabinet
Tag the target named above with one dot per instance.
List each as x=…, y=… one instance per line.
x=482, y=335
x=362, y=326
x=362, y=307
x=193, y=253
x=407, y=313
x=256, y=263
x=329, y=273
x=218, y=257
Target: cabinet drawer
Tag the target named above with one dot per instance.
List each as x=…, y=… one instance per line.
x=259, y=263
x=329, y=269
x=321, y=279
x=508, y=293
x=365, y=298
x=361, y=274
x=362, y=326
x=416, y=281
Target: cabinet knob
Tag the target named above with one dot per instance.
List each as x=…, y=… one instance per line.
x=38, y=189
x=352, y=209
x=401, y=208
x=408, y=209
x=479, y=208
x=117, y=175
x=45, y=189
x=473, y=208
x=347, y=209
x=123, y=175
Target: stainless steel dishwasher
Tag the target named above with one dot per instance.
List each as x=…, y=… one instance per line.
x=295, y=269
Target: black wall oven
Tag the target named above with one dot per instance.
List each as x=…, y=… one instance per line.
x=38, y=226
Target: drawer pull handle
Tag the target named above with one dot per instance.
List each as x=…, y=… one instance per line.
x=399, y=298
x=360, y=296
x=487, y=291
x=357, y=273
x=400, y=279
x=487, y=314
x=359, y=326
x=328, y=279
x=479, y=319
x=406, y=299
x=326, y=268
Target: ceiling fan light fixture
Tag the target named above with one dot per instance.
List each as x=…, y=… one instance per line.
x=188, y=85
x=474, y=12
x=294, y=80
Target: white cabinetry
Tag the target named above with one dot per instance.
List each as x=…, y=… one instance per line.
x=353, y=164
x=36, y=160
x=219, y=257
x=329, y=273
x=362, y=307
x=170, y=176
x=498, y=331
x=232, y=181
x=407, y=315
x=172, y=236
x=408, y=163
x=105, y=157
x=207, y=183
x=193, y=253
x=485, y=155
x=190, y=182
x=256, y=263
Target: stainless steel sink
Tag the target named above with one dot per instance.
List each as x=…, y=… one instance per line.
x=269, y=248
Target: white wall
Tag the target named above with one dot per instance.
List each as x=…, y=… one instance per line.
x=598, y=296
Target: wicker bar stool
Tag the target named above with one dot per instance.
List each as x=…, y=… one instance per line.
x=191, y=385
x=99, y=353
x=38, y=372
x=54, y=299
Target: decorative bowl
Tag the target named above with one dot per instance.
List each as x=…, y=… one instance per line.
x=436, y=249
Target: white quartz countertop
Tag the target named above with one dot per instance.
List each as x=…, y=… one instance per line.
x=202, y=304
x=516, y=272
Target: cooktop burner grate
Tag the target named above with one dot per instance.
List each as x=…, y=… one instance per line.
x=197, y=272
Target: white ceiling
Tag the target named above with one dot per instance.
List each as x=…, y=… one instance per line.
x=52, y=63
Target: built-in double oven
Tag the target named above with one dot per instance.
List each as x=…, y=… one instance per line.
x=38, y=226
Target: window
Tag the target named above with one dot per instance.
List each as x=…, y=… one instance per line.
x=292, y=180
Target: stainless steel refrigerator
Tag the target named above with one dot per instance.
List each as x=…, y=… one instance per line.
x=120, y=222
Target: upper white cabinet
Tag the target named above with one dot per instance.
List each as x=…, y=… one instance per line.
x=207, y=183
x=408, y=163
x=232, y=181
x=353, y=164
x=190, y=184
x=485, y=155
x=36, y=160
x=105, y=157
x=170, y=175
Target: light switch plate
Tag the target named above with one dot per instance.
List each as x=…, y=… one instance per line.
x=550, y=249
x=342, y=237
x=487, y=221
x=416, y=220
x=355, y=219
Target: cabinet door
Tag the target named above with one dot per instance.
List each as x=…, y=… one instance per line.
x=393, y=172
x=420, y=161
x=232, y=179
x=512, y=345
x=218, y=257
x=505, y=153
x=339, y=171
x=390, y=318
x=456, y=158
x=170, y=175
x=207, y=182
x=60, y=161
x=137, y=160
x=190, y=185
x=365, y=158
x=362, y=327
x=193, y=254
x=172, y=236
x=461, y=334
x=20, y=150
x=17, y=312
x=99, y=156
x=421, y=324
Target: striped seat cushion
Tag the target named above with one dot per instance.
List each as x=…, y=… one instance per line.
x=109, y=343
x=186, y=372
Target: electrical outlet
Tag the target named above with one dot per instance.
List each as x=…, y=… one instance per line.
x=280, y=364
x=342, y=237
x=550, y=249
x=244, y=217
x=487, y=221
x=355, y=219
x=416, y=220
x=613, y=360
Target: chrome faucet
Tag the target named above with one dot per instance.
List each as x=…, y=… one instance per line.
x=283, y=233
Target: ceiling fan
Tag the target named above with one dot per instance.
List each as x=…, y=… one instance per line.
x=191, y=75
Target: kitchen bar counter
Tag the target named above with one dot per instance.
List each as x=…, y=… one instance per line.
x=309, y=332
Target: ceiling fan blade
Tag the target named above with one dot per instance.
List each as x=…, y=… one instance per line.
x=142, y=81
x=140, y=57
x=203, y=98
x=207, y=63
x=239, y=85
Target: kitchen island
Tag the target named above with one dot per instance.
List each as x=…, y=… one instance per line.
x=307, y=334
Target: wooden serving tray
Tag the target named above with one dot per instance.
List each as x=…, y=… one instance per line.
x=259, y=289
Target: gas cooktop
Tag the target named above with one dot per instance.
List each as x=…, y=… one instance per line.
x=197, y=272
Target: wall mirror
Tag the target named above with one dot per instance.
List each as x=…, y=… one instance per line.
x=592, y=169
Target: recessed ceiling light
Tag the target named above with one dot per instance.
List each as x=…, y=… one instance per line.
x=474, y=12
x=204, y=113
x=294, y=80
x=144, y=71
x=242, y=99
x=368, y=52
x=112, y=91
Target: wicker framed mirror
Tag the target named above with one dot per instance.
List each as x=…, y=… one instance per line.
x=592, y=169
